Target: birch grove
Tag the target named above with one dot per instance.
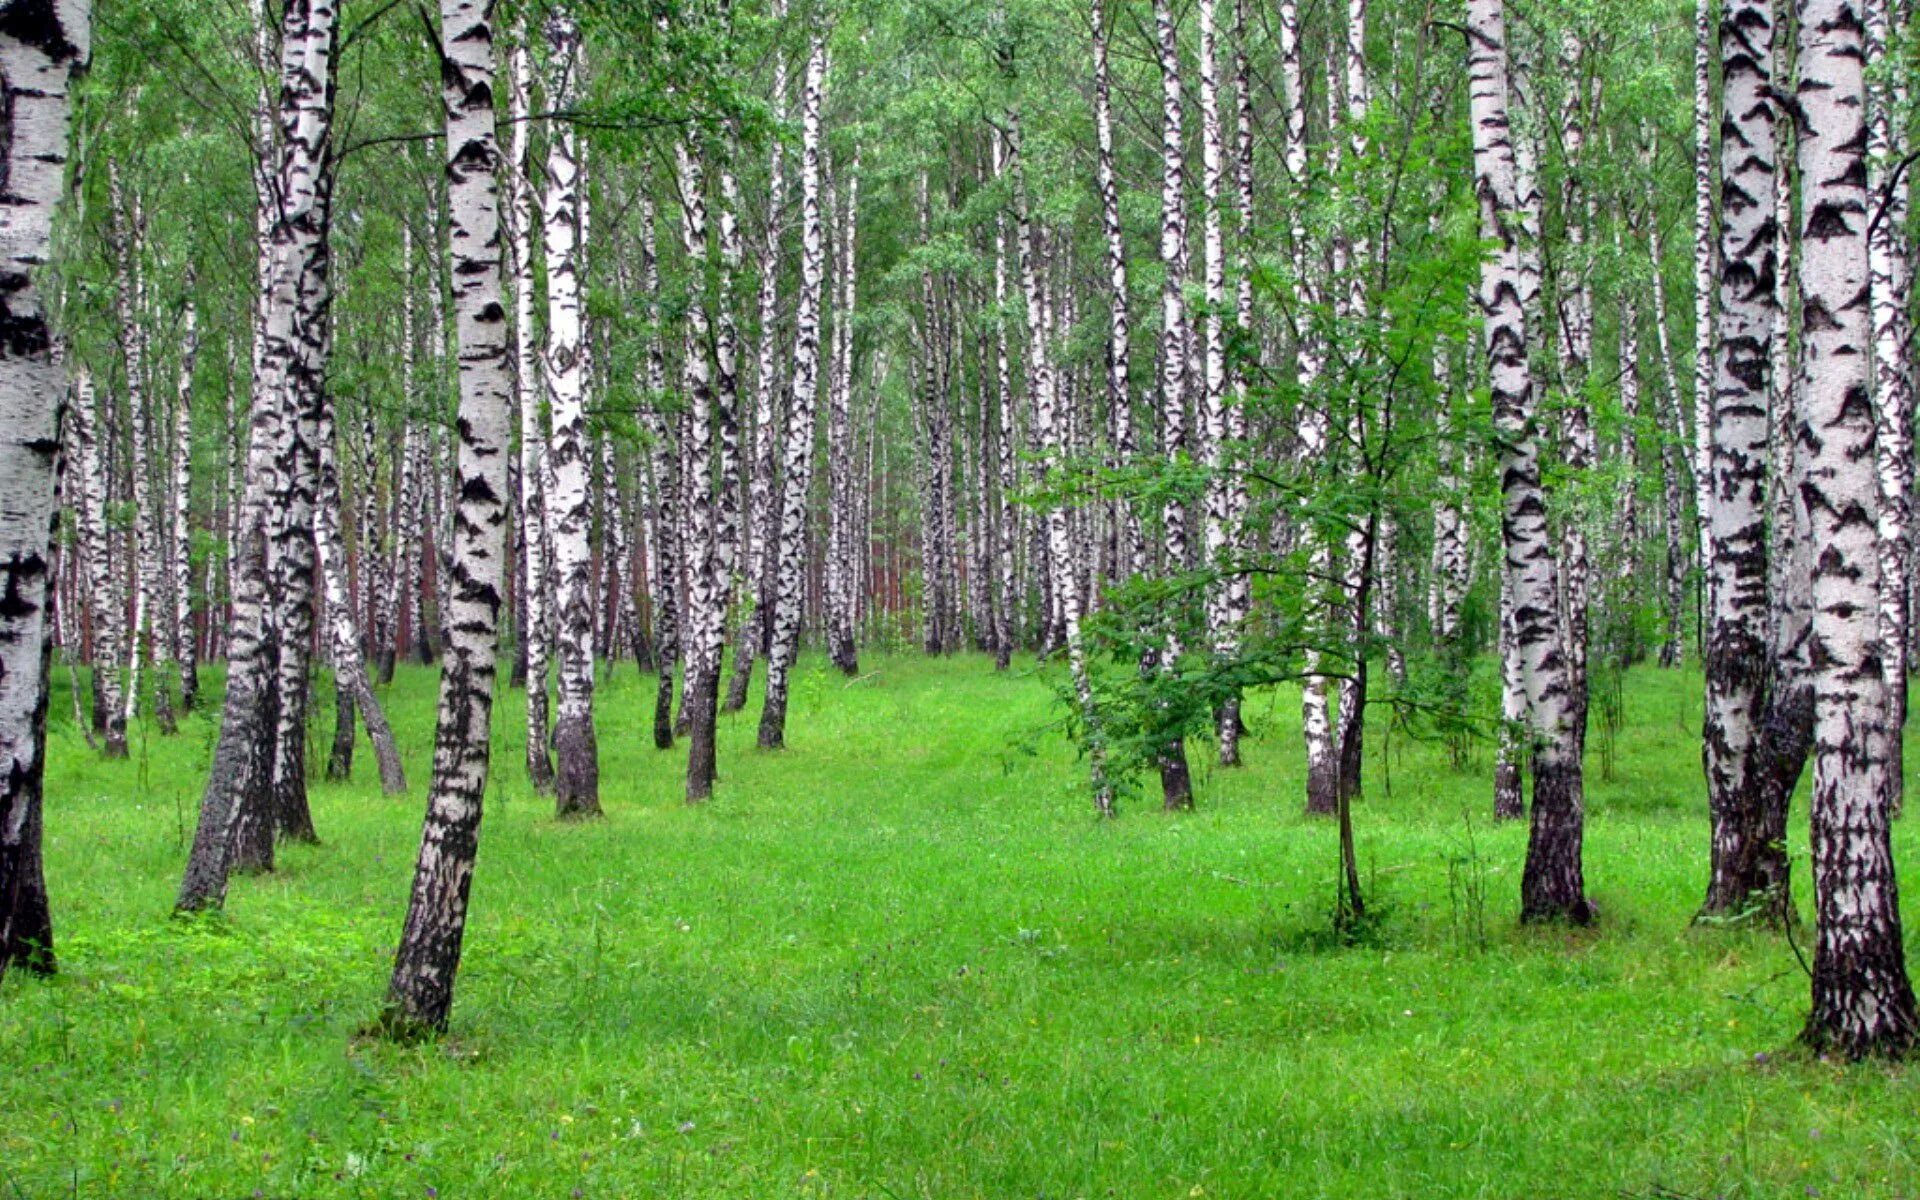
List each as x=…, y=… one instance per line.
x=1279, y=394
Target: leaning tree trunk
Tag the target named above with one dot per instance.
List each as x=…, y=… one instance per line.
x=530, y=382
x=1862, y=1000
x=38, y=56
x=237, y=811
x=577, y=754
x=420, y=996
x=797, y=478
x=304, y=367
x=1552, y=886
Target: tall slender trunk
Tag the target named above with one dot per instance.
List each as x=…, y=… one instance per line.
x=301, y=372
x=1675, y=465
x=1862, y=999
x=797, y=476
x=1007, y=440
x=420, y=995
x=840, y=567
x=1216, y=447
x=569, y=516
x=757, y=557
x=180, y=549
x=1890, y=280
x=1176, y=783
x=531, y=385
x=349, y=664
x=1552, y=886
x=724, y=535
x=1579, y=446
x=1047, y=429
x=1323, y=763
x=250, y=781
x=97, y=560
x=1749, y=866
x=666, y=485
x=37, y=58
x=149, y=578
x=1704, y=271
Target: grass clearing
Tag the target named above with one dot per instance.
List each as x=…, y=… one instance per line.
x=901, y=959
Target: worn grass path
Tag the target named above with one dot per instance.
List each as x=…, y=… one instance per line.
x=901, y=960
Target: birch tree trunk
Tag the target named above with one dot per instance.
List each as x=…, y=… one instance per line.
x=1675, y=465
x=1323, y=763
x=758, y=559
x=1007, y=441
x=299, y=367
x=1222, y=620
x=38, y=56
x=420, y=995
x=531, y=384
x=180, y=550
x=666, y=486
x=1552, y=886
x=1890, y=280
x=349, y=665
x=797, y=474
x=841, y=570
x=146, y=531
x=1703, y=287
x=243, y=801
x=1749, y=863
x=1176, y=784
x=97, y=559
x=723, y=537
x=1047, y=430
x=1862, y=1000
x=569, y=517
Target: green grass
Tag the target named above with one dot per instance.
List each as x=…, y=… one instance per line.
x=901, y=960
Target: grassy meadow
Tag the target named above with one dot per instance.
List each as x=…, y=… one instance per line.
x=901, y=959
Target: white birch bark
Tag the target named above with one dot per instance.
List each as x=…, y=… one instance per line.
x=797, y=476
x=1863, y=1002
x=1047, y=430
x=420, y=995
x=38, y=56
x=531, y=383
x=1552, y=887
x=569, y=515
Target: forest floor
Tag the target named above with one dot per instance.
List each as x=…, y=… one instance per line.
x=902, y=960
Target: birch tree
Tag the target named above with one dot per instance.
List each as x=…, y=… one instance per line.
x=38, y=57
x=1552, y=886
x=797, y=470
x=568, y=511
x=420, y=994
x=1862, y=1000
